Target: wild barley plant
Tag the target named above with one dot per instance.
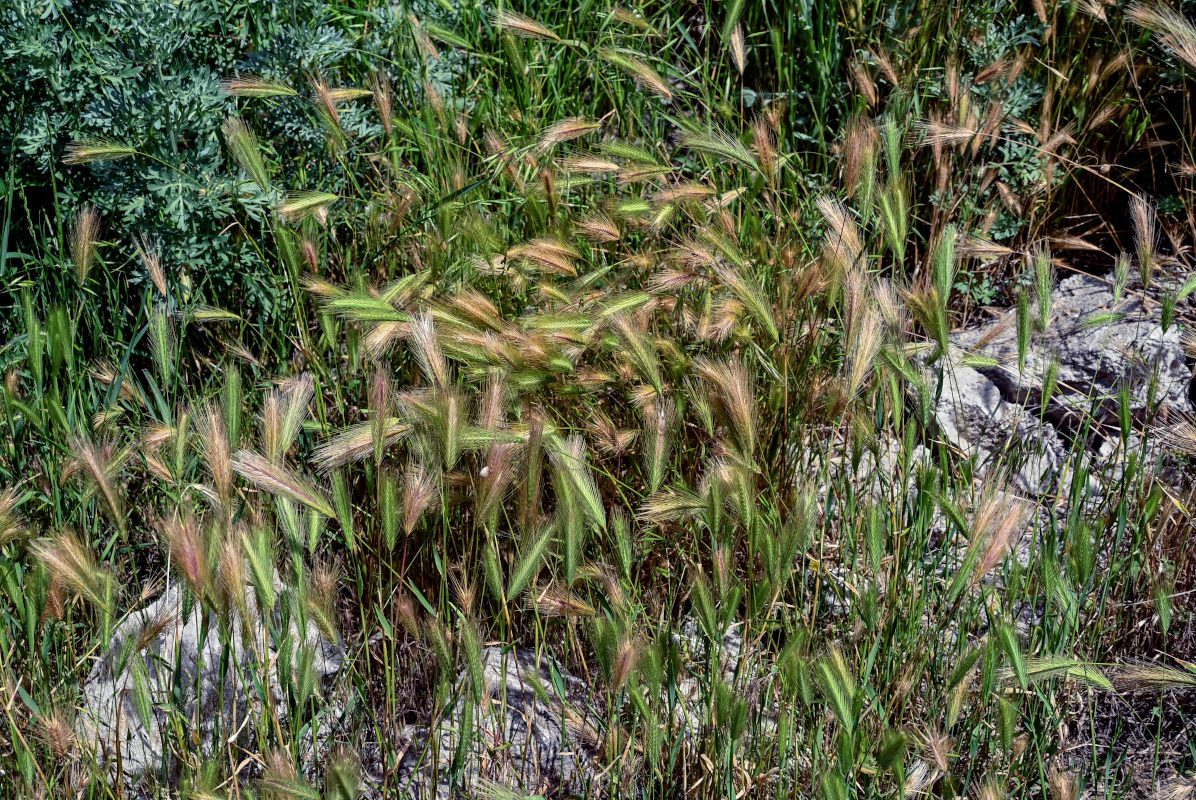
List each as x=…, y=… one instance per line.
x=608, y=424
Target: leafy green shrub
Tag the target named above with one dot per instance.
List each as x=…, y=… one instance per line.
x=147, y=75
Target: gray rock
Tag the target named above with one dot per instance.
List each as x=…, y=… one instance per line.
x=1096, y=354
x=190, y=684
x=524, y=735
x=995, y=412
x=887, y=472
x=744, y=667
x=975, y=417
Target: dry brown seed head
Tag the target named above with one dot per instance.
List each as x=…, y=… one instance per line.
x=865, y=83
x=463, y=588
x=1058, y=139
x=566, y=130
x=983, y=249
x=682, y=192
x=588, y=163
x=999, y=519
x=383, y=101
x=555, y=601
x=1011, y=200
x=611, y=584
x=608, y=437
x=72, y=565
x=1184, y=168
x=83, y=240
x=495, y=144
x=738, y=48
x=548, y=254
x=419, y=494
x=598, y=227
x=951, y=82
x=1171, y=28
x=56, y=732
x=239, y=350
x=311, y=253
x=1180, y=435
x=1181, y=787
x=326, y=101
x=1020, y=743
x=841, y=245
x=99, y=462
x=55, y=599
x=279, y=772
x=188, y=548
x=864, y=342
x=421, y=39
x=992, y=789
x=406, y=613
x=859, y=151
x=1142, y=215
x=885, y=64
x=151, y=629
x=918, y=778
x=232, y=578
x=477, y=307
x=152, y=263
x=216, y=450
x=940, y=134
x=764, y=142
x=435, y=100
x=938, y=748
x=1062, y=784
x=775, y=112
x=627, y=654
x=11, y=523
x=325, y=578
x=1094, y=8
x=522, y=25
x=996, y=69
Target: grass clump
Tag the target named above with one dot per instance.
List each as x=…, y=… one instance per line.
x=610, y=346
